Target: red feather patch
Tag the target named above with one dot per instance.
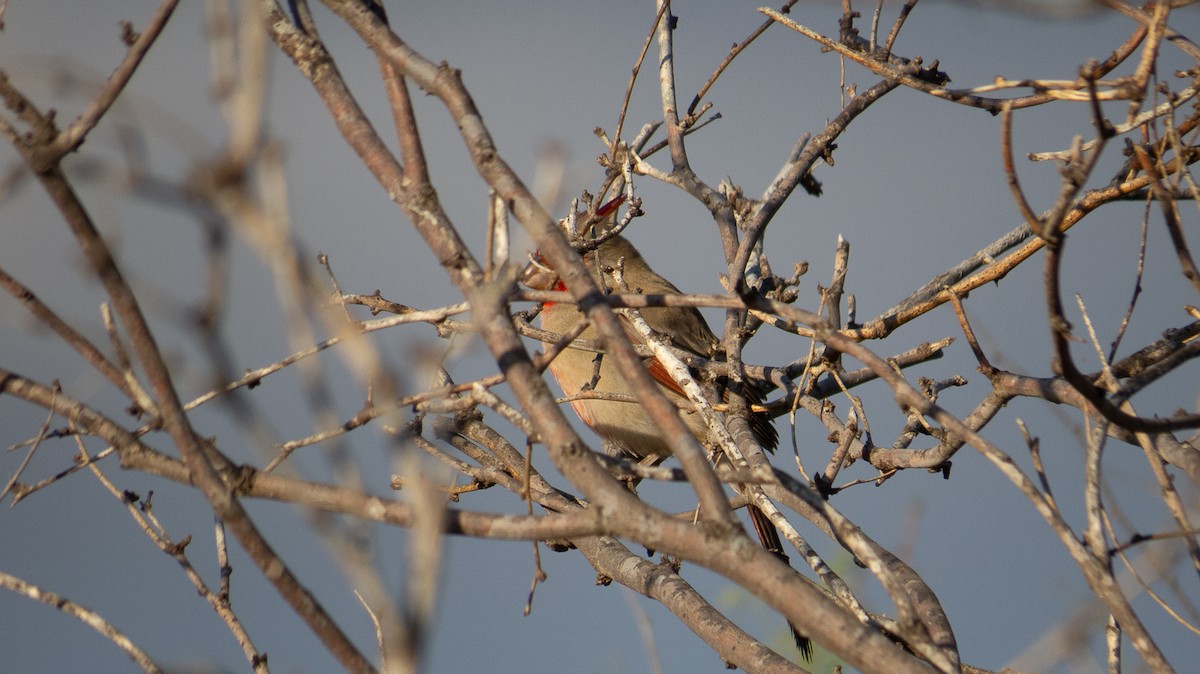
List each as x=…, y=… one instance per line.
x=659, y=372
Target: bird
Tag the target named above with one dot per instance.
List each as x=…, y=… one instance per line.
x=625, y=426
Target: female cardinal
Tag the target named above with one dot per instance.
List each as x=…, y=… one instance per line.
x=625, y=425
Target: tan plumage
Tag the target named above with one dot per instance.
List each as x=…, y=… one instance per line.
x=625, y=425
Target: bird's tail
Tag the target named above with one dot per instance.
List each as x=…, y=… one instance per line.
x=768, y=535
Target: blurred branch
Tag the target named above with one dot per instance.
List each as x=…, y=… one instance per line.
x=72, y=137
x=199, y=457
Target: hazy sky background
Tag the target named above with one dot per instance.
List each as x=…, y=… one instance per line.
x=917, y=187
